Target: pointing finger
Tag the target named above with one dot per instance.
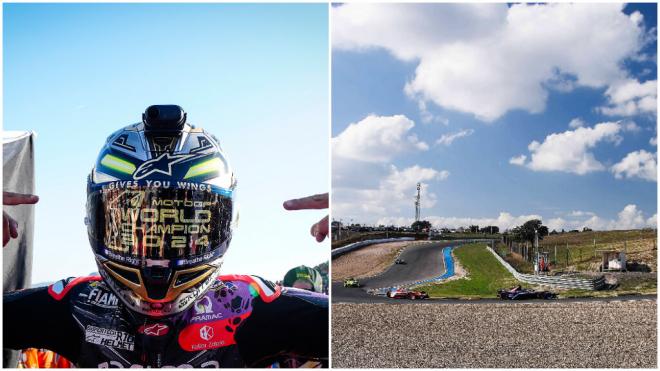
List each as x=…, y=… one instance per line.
x=11, y=198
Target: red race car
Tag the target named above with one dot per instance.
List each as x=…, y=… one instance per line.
x=406, y=294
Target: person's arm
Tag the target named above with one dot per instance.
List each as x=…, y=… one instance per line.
x=33, y=318
x=9, y=225
x=295, y=324
x=319, y=230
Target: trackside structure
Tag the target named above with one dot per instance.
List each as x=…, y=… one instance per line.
x=561, y=282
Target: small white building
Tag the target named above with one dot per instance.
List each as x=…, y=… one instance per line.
x=613, y=260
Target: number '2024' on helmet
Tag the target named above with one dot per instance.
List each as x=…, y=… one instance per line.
x=159, y=211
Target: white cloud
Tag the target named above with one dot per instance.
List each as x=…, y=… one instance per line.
x=630, y=126
x=443, y=174
x=393, y=195
x=576, y=123
x=407, y=30
x=364, y=182
x=407, y=179
x=628, y=218
x=637, y=164
x=557, y=224
x=427, y=117
x=518, y=160
x=630, y=97
x=575, y=213
x=448, y=139
x=377, y=139
x=653, y=141
x=488, y=59
x=504, y=220
x=570, y=151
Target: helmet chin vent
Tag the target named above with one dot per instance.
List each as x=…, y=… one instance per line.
x=164, y=118
x=157, y=281
x=126, y=274
x=187, y=277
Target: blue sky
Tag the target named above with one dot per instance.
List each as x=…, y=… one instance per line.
x=254, y=75
x=454, y=95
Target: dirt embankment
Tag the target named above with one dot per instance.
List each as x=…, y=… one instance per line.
x=367, y=261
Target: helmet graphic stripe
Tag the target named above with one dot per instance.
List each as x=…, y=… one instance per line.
x=202, y=168
x=118, y=164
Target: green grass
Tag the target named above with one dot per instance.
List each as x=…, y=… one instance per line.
x=485, y=275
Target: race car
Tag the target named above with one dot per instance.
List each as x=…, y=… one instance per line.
x=351, y=282
x=399, y=261
x=395, y=293
x=518, y=293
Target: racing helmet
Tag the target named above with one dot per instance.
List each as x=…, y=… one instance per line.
x=160, y=208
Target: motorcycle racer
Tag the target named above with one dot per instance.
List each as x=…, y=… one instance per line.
x=160, y=213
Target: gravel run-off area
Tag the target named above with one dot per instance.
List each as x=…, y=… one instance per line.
x=618, y=334
x=367, y=261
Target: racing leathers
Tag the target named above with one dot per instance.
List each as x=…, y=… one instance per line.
x=242, y=321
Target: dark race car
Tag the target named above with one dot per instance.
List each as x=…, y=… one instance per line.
x=406, y=294
x=399, y=261
x=518, y=293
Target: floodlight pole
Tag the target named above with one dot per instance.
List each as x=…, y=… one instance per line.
x=536, y=249
x=417, y=202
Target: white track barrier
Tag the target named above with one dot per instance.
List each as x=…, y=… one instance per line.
x=357, y=245
x=561, y=282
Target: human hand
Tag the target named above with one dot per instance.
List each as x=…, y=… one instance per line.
x=9, y=225
x=321, y=229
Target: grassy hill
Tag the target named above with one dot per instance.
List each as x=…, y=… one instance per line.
x=485, y=275
x=640, y=245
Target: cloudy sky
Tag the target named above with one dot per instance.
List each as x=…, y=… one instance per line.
x=254, y=75
x=503, y=113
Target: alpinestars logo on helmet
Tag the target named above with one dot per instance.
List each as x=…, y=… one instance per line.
x=162, y=164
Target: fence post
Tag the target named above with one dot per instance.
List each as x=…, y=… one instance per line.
x=594, y=248
x=580, y=260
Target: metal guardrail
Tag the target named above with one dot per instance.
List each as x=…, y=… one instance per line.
x=357, y=245
x=561, y=282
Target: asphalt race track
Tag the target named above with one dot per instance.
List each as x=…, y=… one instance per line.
x=425, y=262
x=422, y=262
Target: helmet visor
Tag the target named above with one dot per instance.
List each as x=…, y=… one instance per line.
x=134, y=224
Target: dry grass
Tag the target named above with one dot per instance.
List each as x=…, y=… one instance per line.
x=367, y=261
x=640, y=246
